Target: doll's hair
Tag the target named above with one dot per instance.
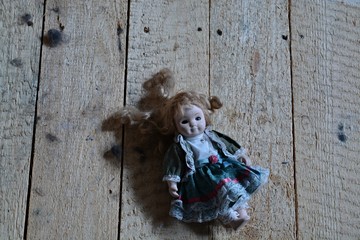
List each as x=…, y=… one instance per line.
x=154, y=113
x=173, y=106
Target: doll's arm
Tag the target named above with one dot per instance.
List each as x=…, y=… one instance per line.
x=173, y=168
x=242, y=156
x=173, y=189
x=234, y=148
x=245, y=159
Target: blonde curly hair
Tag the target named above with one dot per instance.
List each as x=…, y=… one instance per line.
x=155, y=111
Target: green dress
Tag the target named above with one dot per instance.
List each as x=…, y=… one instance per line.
x=212, y=182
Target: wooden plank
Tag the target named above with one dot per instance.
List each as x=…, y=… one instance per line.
x=171, y=34
x=75, y=192
x=250, y=72
x=326, y=70
x=20, y=27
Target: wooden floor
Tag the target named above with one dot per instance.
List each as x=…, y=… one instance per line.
x=287, y=71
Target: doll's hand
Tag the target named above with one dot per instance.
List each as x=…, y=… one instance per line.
x=173, y=189
x=245, y=159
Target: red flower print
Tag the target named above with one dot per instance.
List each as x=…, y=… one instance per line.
x=213, y=159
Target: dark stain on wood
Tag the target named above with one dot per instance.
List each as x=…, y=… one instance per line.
x=37, y=212
x=17, y=62
x=119, y=29
x=52, y=138
x=53, y=38
x=89, y=138
x=141, y=152
x=116, y=151
x=56, y=9
x=341, y=133
x=176, y=46
x=26, y=19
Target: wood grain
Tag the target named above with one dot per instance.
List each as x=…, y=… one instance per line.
x=172, y=34
x=250, y=72
x=20, y=27
x=75, y=192
x=326, y=74
x=288, y=76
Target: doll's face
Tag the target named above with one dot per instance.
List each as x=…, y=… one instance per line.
x=191, y=122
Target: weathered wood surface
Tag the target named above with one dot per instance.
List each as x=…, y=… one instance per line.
x=326, y=87
x=288, y=75
x=250, y=71
x=19, y=70
x=162, y=34
x=75, y=192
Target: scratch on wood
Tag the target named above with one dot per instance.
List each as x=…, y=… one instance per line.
x=255, y=63
x=119, y=31
x=39, y=192
x=61, y=26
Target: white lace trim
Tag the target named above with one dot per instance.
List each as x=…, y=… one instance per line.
x=219, y=207
x=173, y=178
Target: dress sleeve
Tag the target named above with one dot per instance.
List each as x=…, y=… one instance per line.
x=231, y=145
x=174, y=164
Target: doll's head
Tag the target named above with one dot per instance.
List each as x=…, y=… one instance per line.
x=190, y=121
x=185, y=109
x=154, y=114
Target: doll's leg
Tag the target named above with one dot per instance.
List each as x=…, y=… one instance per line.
x=241, y=219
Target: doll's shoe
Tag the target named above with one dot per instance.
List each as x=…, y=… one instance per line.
x=241, y=220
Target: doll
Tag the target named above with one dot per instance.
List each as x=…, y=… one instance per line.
x=208, y=174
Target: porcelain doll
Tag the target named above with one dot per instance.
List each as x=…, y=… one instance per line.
x=207, y=173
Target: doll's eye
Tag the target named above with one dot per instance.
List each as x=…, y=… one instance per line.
x=184, y=121
x=198, y=118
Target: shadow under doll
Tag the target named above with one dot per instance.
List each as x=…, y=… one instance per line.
x=140, y=149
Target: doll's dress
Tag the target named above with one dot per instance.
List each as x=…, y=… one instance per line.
x=212, y=183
